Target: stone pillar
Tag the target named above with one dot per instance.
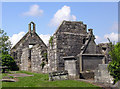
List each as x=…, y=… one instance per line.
x=72, y=67
x=80, y=62
x=29, y=25
x=33, y=27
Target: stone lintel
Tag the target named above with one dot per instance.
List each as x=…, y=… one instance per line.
x=69, y=58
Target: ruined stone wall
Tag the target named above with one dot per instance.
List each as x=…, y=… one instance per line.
x=67, y=41
x=73, y=27
x=37, y=57
x=52, y=54
x=104, y=49
x=29, y=39
x=24, y=59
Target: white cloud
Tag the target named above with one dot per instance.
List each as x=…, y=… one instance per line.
x=62, y=14
x=114, y=26
x=98, y=39
x=112, y=36
x=16, y=37
x=34, y=11
x=45, y=38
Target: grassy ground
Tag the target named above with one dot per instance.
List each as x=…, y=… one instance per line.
x=41, y=80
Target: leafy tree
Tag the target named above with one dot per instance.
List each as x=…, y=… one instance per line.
x=8, y=61
x=5, y=44
x=5, y=58
x=114, y=65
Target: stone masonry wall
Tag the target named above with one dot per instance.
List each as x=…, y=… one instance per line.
x=21, y=51
x=91, y=48
x=52, y=54
x=67, y=41
x=24, y=60
x=102, y=75
x=37, y=57
x=90, y=62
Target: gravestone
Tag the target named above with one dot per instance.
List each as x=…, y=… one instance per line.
x=71, y=66
x=102, y=75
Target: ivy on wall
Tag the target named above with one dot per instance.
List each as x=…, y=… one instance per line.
x=51, y=40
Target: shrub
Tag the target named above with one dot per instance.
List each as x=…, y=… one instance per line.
x=114, y=69
x=42, y=64
x=114, y=65
x=45, y=56
x=8, y=61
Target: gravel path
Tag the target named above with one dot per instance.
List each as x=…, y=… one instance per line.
x=104, y=86
x=20, y=75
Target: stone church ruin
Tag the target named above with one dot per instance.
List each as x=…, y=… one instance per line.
x=30, y=51
x=71, y=48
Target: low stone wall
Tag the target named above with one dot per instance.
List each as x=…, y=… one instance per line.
x=87, y=75
x=58, y=75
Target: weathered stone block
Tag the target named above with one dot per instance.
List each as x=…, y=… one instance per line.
x=104, y=76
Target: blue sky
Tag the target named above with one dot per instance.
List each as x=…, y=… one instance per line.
x=100, y=16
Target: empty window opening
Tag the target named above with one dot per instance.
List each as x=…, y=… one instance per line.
x=103, y=48
x=29, y=57
x=31, y=26
x=30, y=46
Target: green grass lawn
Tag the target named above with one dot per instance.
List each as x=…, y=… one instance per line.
x=41, y=80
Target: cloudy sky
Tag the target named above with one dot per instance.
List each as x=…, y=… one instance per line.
x=100, y=16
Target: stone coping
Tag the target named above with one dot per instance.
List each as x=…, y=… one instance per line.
x=92, y=54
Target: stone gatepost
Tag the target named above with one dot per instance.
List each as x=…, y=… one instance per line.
x=71, y=65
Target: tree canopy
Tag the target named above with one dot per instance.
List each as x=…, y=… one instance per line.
x=5, y=58
x=5, y=43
